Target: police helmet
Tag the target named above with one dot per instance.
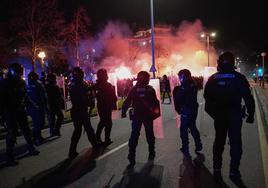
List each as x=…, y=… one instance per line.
x=143, y=77
x=226, y=61
x=51, y=77
x=33, y=76
x=102, y=74
x=15, y=70
x=78, y=74
x=184, y=75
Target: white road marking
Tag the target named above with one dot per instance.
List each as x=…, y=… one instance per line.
x=112, y=151
x=263, y=141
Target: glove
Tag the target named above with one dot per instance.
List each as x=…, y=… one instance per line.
x=250, y=118
x=123, y=115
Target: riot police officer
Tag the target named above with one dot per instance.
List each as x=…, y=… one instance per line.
x=185, y=101
x=81, y=98
x=37, y=93
x=223, y=94
x=15, y=100
x=142, y=98
x=106, y=102
x=56, y=105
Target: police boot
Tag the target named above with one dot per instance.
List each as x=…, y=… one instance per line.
x=132, y=161
x=217, y=176
x=10, y=160
x=151, y=152
x=32, y=150
x=185, y=152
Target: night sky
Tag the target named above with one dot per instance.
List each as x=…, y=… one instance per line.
x=237, y=22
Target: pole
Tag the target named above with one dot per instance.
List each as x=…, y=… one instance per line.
x=153, y=69
x=208, y=48
x=263, y=72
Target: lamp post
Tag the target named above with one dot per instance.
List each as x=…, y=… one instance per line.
x=263, y=54
x=42, y=55
x=207, y=36
x=152, y=69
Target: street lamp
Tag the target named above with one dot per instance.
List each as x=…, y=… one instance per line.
x=152, y=69
x=42, y=55
x=263, y=54
x=207, y=36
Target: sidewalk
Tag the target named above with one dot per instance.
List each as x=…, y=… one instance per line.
x=262, y=95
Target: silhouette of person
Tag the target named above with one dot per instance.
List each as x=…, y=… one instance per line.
x=223, y=94
x=56, y=105
x=15, y=98
x=106, y=103
x=185, y=101
x=166, y=88
x=142, y=97
x=81, y=98
x=37, y=93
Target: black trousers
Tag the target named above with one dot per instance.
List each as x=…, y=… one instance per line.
x=81, y=118
x=15, y=120
x=55, y=125
x=135, y=133
x=105, y=122
x=232, y=126
x=164, y=95
x=189, y=123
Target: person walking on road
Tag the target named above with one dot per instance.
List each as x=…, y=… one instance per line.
x=56, y=105
x=37, y=93
x=185, y=101
x=82, y=99
x=15, y=99
x=142, y=97
x=106, y=103
x=223, y=94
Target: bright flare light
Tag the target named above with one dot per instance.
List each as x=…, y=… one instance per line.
x=123, y=72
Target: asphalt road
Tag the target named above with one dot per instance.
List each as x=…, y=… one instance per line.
x=106, y=168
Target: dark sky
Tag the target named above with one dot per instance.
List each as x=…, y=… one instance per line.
x=236, y=21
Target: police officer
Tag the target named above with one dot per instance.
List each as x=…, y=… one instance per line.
x=37, y=93
x=142, y=98
x=185, y=101
x=56, y=105
x=15, y=100
x=106, y=102
x=223, y=94
x=81, y=98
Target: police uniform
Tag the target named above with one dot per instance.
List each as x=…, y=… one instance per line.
x=15, y=100
x=106, y=102
x=140, y=97
x=185, y=101
x=81, y=99
x=223, y=94
x=56, y=104
x=37, y=93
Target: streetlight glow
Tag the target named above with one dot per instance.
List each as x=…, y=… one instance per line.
x=213, y=34
x=42, y=55
x=203, y=35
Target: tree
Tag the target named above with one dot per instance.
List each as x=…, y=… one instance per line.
x=39, y=25
x=77, y=30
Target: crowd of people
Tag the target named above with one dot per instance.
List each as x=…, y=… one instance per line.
x=223, y=94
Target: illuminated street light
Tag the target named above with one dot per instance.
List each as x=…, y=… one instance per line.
x=207, y=36
x=42, y=55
